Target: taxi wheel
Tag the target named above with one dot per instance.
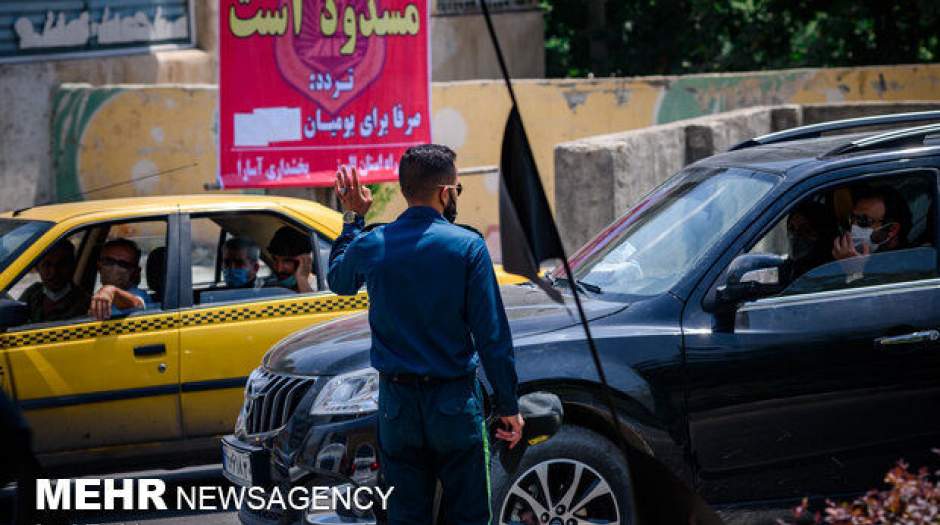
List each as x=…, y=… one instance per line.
x=577, y=477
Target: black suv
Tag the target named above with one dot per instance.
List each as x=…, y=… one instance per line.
x=749, y=355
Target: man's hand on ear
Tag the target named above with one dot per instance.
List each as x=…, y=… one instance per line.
x=302, y=273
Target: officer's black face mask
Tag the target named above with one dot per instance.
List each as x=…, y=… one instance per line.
x=450, y=209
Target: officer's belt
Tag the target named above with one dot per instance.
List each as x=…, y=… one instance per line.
x=416, y=379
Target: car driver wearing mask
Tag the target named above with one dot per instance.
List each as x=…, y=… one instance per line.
x=880, y=223
x=119, y=271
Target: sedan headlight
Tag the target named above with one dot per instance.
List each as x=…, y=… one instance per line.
x=353, y=393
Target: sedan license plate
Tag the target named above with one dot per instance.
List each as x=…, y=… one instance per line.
x=237, y=465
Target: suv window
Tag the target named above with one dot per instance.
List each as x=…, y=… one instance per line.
x=661, y=238
x=232, y=258
x=862, y=233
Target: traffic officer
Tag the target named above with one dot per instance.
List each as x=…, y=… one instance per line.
x=435, y=313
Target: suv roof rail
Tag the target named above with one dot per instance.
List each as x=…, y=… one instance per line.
x=930, y=134
x=816, y=130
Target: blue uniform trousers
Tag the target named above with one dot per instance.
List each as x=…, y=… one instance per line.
x=430, y=432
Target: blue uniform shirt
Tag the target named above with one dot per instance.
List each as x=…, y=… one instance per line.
x=434, y=304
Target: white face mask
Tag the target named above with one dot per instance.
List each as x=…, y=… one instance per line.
x=862, y=236
x=57, y=296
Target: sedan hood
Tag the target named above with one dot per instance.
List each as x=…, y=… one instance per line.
x=343, y=345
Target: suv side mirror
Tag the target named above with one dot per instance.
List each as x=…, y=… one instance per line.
x=751, y=276
x=13, y=313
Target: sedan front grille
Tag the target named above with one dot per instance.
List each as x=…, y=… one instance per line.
x=271, y=398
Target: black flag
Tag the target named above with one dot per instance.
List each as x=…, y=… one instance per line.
x=529, y=236
x=527, y=231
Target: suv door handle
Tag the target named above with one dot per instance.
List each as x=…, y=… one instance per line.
x=149, y=350
x=906, y=339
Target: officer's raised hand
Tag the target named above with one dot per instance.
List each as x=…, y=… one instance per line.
x=353, y=196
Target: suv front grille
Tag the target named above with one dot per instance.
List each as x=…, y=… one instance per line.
x=271, y=398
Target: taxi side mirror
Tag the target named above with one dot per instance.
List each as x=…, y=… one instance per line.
x=13, y=313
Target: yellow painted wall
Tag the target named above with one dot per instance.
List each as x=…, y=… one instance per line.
x=142, y=132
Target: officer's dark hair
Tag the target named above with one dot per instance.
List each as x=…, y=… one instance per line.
x=244, y=243
x=896, y=209
x=424, y=168
x=127, y=243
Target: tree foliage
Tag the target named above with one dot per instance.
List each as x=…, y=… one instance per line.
x=650, y=37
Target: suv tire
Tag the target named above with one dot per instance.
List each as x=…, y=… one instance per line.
x=573, y=454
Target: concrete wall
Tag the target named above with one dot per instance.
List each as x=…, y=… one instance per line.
x=26, y=102
x=469, y=116
x=26, y=92
x=461, y=48
x=606, y=174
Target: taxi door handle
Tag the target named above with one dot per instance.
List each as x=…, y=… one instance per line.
x=149, y=350
x=911, y=338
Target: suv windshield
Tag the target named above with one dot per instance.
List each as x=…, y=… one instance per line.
x=650, y=248
x=15, y=236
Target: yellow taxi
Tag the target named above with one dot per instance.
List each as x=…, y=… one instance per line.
x=158, y=384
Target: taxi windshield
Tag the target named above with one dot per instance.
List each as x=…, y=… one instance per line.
x=16, y=235
x=650, y=248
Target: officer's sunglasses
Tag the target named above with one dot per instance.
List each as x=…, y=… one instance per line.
x=111, y=261
x=458, y=187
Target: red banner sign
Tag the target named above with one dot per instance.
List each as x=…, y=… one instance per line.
x=307, y=85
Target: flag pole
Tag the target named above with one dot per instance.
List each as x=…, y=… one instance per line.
x=608, y=398
x=656, y=494
x=499, y=52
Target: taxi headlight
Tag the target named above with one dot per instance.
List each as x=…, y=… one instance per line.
x=353, y=393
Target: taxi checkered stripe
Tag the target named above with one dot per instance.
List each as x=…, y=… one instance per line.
x=248, y=313
x=62, y=335
x=154, y=323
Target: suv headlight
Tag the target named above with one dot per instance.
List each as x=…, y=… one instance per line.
x=353, y=393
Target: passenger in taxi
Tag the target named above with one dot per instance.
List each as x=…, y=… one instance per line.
x=56, y=297
x=292, y=252
x=240, y=263
x=119, y=270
